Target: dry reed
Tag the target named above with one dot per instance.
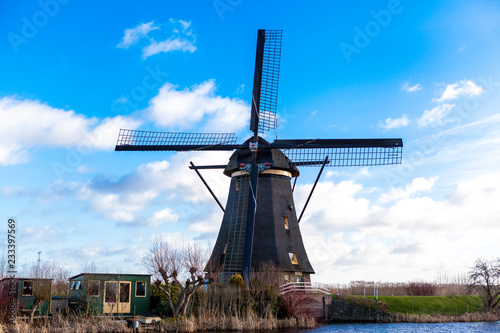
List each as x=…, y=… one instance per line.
x=466, y=318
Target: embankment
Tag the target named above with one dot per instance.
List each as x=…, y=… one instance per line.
x=412, y=309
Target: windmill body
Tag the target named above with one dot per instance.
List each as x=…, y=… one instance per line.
x=260, y=223
x=277, y=239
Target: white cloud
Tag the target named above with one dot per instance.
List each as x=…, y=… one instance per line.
x=327, y=195
x=406, y=87
x=459, y=89
x=183, y=40
x=38, y=235
x=163, y=216
x=399, y=241
x=133, y=35
x=27, y=124
x=83, y=169
x=169, y=45
x=312, y=115
x=184, y=24
x=183, y=109
x=134, y=198
x=435, y=115
x=417, y=185
x=349, y=237
x=394, y=123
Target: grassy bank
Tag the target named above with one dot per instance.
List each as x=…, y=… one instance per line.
x=432, y=305
x=426, y=309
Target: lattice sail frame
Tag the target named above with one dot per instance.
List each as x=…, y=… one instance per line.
x=270, y=80
x=128, y=137
x=345, y=157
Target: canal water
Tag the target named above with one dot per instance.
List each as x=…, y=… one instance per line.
x=407, y=328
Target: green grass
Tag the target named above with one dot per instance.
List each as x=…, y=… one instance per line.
x=424, y=305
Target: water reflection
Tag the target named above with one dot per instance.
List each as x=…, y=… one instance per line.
x=405, y=328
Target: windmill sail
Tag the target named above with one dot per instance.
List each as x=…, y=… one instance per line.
x=342, y=152
x=266, y=80
x=132, y=140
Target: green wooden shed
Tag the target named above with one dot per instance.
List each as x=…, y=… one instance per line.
x=25, y=291
x=110, y=294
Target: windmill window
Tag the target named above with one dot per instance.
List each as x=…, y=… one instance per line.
x=93, y=288
x=293, y=258
x=285, y=221
x=27, y=288
x=287, y=278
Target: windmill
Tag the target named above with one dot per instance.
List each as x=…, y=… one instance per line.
x=260, y=222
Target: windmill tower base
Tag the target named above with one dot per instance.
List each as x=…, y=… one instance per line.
x=277, y=243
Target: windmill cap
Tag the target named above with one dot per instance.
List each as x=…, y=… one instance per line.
x=273, y=158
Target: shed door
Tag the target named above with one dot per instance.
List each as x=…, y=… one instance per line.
x=124, y=299
x=110, y=297
x=116, y=297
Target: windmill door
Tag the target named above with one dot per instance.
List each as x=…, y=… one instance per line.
x=116, y=297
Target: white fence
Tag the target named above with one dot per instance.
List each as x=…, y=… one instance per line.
x=304, y=287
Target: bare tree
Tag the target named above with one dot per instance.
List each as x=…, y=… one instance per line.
x=174, y=264
x=93, y=267
x=483, y=279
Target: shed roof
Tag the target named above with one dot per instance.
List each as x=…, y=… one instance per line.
x=26, y=278
x=103, y=274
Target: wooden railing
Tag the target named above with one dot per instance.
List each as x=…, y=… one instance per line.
x=304, y=287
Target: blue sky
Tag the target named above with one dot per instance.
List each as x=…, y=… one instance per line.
x=73, y=73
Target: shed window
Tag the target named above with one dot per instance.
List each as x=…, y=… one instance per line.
x=285, y=221
x=72, y=285
x=93, y=288
x=293, y=258
x=140, y=289
x=78, y=284
x=27, y=288
x=111, y=292
x=124, y=292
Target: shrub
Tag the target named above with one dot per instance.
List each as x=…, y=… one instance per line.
x=420, y=289
x=159, y=300
x=237, y=280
